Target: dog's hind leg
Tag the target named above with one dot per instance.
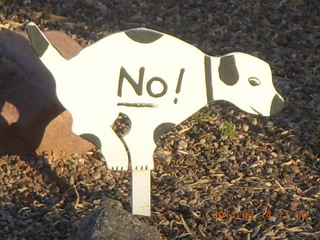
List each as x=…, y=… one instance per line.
x=114, y=150
x=103, y=136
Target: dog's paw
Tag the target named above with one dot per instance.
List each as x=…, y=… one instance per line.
x=118, y=166
x=140, y=167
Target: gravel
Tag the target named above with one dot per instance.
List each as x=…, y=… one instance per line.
x=221, y=174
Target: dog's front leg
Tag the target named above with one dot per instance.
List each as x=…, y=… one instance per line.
x=141, y=146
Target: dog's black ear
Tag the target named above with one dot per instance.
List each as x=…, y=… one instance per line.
x=228, y=71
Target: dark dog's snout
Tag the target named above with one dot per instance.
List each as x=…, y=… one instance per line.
x=276, y=105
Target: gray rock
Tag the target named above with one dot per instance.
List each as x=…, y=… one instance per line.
x=111, y=221
x=31, y=116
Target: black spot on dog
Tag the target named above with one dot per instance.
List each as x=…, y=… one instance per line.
x=161, y=129
x=228, y=71
x=142, y=35
x=92, y=138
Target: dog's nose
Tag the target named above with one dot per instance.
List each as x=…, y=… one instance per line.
x=277, y=104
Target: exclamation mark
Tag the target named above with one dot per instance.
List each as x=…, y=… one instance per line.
x=178, y=89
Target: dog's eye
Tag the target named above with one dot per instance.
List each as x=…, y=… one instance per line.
x=254, y=81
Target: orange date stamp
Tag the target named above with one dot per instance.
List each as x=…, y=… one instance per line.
x=227, y=214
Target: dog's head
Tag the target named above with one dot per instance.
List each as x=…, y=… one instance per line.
x=246, y=81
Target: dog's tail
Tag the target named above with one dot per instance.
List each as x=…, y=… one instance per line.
x=50, y=56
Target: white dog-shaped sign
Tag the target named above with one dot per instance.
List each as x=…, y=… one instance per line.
x=158, y=81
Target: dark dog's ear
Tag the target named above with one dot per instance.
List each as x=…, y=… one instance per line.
x=228, y=72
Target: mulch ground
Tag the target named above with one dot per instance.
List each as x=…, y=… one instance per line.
x=221, y=174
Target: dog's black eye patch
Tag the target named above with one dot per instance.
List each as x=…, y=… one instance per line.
x=254, y=81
